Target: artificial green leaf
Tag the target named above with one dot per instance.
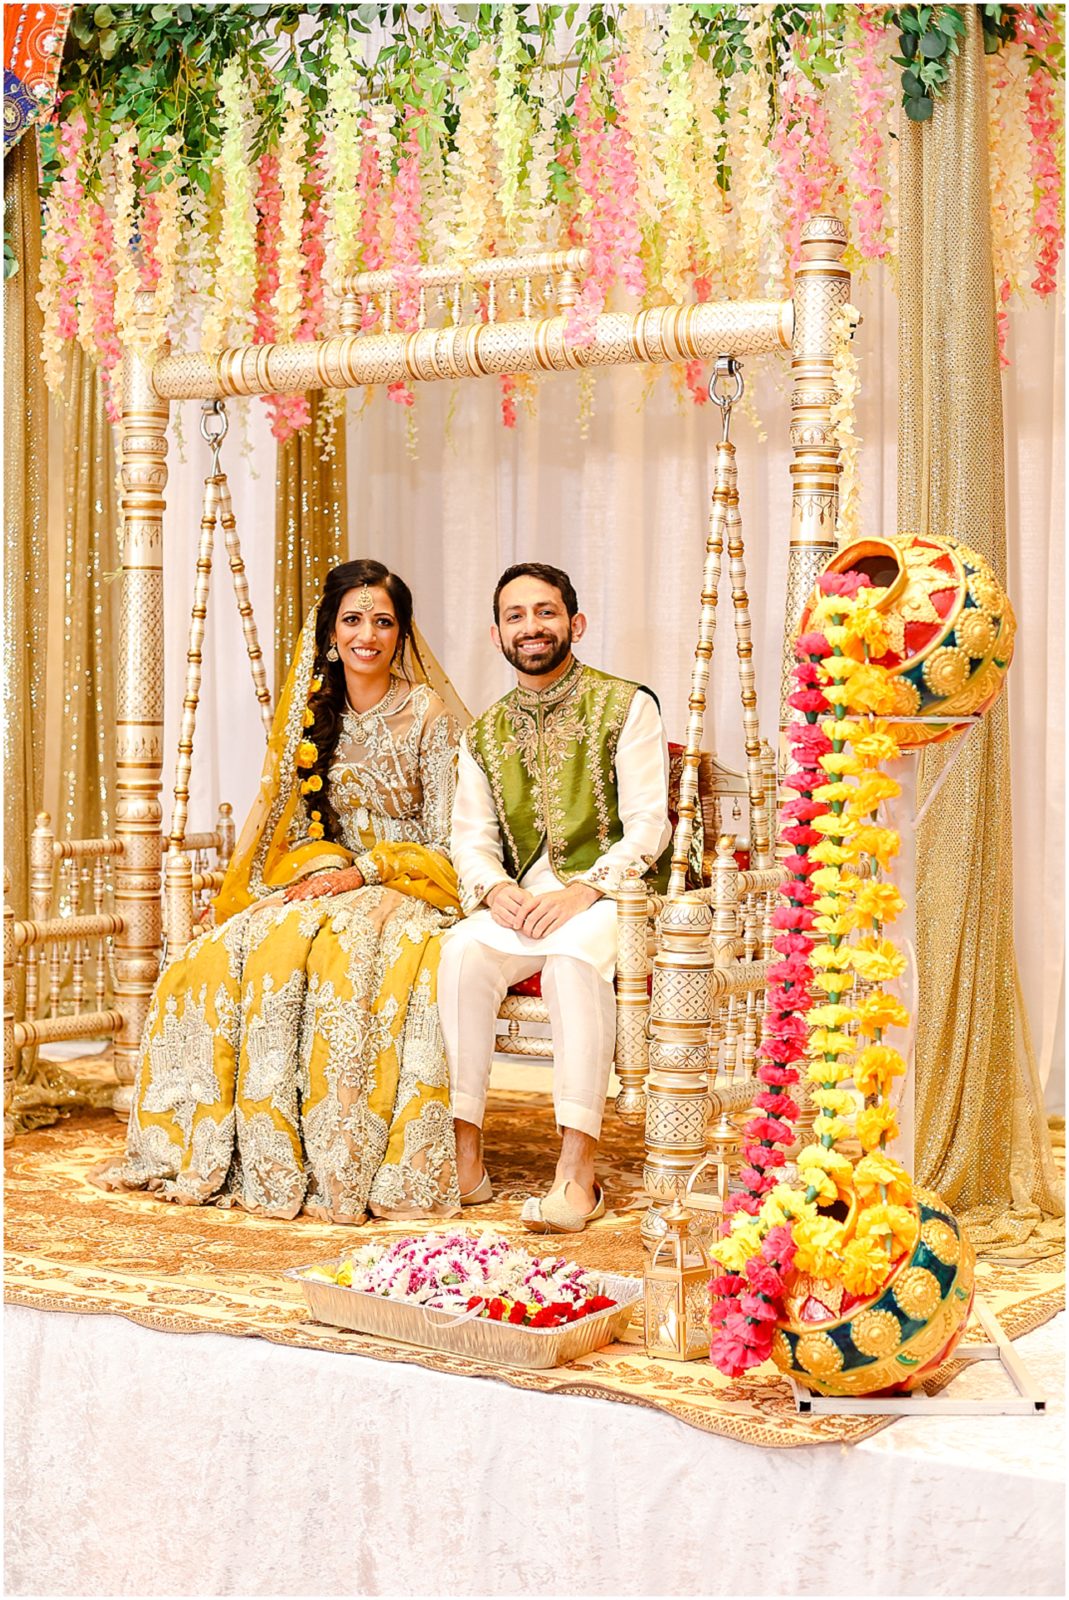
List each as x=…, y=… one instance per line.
x=911, y=83
x=933, y=45
x=918, y=108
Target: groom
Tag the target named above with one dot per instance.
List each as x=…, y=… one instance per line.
x=562, y=788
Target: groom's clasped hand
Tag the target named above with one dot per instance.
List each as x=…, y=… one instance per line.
x=538, y=914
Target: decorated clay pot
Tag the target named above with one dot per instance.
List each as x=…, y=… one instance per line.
x=951, y=625
x=896, y=1337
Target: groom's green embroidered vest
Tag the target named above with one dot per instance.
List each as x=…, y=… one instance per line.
x=549, y=757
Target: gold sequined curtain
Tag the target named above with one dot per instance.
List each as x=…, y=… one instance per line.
x=310, y=522
x=982, y=1138
x=25, y=519
x=90, y=605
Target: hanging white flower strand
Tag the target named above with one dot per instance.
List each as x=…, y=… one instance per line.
x=341, y=159
x=291, y=160
x=229, y=314
x=124, y=232
x=508, y=123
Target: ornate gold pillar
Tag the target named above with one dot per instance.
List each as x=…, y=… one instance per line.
x=632, y=999
x=139, y=705
x=677, y=1089
x=821, y=286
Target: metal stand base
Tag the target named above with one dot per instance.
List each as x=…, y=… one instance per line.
x=1026, y=1402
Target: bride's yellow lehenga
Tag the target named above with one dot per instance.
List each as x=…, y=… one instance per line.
x=292, y=1058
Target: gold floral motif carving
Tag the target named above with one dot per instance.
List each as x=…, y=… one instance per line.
x=917, y=1291
x=876, y=1333
x=946, y=670
x=819, y=1354
x=976, y=632
x=941, y=1240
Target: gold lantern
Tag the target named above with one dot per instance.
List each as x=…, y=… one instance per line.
x=677, y=1292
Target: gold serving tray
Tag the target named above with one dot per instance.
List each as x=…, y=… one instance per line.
x=498, y=1343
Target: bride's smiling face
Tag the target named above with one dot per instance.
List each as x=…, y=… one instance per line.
x=366, y=635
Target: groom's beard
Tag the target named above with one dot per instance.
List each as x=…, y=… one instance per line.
x=535, y=666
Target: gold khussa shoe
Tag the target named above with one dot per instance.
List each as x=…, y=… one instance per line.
x=553, y=1214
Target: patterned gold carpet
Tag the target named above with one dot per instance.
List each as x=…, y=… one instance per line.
x=179, y=1269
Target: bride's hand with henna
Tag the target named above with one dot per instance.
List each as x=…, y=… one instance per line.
x=325, y=883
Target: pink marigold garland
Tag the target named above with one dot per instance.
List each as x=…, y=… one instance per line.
x=746, y=1305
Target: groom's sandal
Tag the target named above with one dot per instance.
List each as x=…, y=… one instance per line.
x=553, y=1214
x=479, y=1196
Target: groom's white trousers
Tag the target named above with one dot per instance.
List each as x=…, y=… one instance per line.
x=473, y=979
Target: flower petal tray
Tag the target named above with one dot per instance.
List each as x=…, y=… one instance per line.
x=499, y=1343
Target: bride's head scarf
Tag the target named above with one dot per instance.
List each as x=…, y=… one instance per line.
x=273, y=847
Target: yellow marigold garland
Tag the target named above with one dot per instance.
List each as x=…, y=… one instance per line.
x=846, y=1045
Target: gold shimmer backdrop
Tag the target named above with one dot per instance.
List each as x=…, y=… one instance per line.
x=25, y=519
x=311, y=521
x=982, y=1138
x=81, y=795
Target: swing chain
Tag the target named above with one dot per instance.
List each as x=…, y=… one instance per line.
x=214, y=436
x=726, y=368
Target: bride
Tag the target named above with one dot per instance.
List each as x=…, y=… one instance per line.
x=292, y=1059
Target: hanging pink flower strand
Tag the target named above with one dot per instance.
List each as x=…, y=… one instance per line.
x=1045, y=128
x=72, y=243
x=102, y=295
x=595, y=224
x=874, y=93
x=288, y=412
x=623, y=184
x=802, y=149
x=406, y=206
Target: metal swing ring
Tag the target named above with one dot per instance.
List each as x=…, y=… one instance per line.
x=726, y=368
x=214, y=436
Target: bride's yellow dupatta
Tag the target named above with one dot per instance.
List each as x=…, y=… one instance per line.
x=266, y=856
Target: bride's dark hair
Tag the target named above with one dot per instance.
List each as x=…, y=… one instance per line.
x=328, y=703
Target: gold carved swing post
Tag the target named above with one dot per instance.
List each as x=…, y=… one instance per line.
x=531, y=336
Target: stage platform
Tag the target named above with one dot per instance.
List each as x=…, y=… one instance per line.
x=270, y=1456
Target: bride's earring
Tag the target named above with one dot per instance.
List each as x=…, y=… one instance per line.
x=332, y=653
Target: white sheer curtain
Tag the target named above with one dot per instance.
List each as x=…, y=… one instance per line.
x=624, y=510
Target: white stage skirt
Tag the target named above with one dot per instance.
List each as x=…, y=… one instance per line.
x=143, y=1463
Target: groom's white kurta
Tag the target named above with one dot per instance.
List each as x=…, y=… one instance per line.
x=480, y=959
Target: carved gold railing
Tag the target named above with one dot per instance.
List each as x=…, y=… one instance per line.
x=59, y=961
